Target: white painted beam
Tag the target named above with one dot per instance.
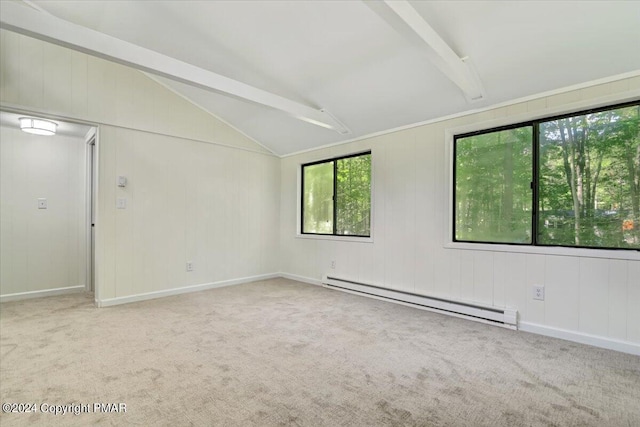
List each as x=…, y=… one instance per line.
x=407, y=21
x=43, y=26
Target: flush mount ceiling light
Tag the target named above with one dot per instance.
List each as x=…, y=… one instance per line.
x=38, y=126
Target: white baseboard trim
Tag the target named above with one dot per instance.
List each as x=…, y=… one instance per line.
x=303, y=279
x=43, y=293
x=185, y=290
x=582, y=338
x=579, y=337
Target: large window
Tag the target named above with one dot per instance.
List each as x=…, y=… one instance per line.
x=572, y=180
x=336, y=196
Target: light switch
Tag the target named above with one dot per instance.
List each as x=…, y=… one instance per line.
x=121, y=204
x=42, y=203
x=122, y=181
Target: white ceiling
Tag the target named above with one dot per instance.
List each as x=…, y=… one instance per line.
x=344, y=57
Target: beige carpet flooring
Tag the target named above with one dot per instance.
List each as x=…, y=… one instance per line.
x=282, y=353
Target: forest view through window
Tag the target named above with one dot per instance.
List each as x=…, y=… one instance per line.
x=336, y=196
x=567, y=181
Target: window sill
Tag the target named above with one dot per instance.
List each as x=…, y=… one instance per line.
x=336, y=238
x=548, y=250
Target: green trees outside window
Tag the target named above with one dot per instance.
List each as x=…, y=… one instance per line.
x=493, y=186
x=336, y=196
x=578, y=175
x=317, y=200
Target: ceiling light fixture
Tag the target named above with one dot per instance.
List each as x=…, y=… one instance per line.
x=38, y=126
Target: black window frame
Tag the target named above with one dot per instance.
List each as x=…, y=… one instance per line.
x=535, y=177
x=335, y=185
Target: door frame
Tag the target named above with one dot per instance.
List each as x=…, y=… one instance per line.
x=91, y=189
x=92, y=135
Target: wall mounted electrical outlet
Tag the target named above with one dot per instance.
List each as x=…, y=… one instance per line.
x=538, y=292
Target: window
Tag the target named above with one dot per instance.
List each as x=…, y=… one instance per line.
x=572, y=180
x=336, y=196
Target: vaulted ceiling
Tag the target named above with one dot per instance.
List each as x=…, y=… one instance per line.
x=363, y=65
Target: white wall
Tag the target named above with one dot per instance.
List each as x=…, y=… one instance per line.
x=198, y=190
x=41, y=249
x=186, y=201
x=584, y=295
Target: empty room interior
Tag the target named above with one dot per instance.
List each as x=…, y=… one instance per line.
x=320, y=213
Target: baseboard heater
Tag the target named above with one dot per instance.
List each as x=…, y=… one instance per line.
x=504, y=317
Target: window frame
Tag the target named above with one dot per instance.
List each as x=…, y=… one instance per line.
x=333, y=234
x=534, y=123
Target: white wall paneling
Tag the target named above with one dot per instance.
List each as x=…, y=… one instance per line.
x=197, y=189
x=631, y=302
x=186, y=201
x=42, y=77
x=617, y=304
x=588, y=294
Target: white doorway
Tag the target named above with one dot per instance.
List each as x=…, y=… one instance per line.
x=47, y=207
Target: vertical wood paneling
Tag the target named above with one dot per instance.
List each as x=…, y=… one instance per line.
x=105, y=222
x=9, y=67
x=144, y=248
x=467, y=274
x=399, y=196
x=534, y=270
x=366, y=263
x=185, y=203
x=39, y=75
x=424, y=194
x=515, y=286
x=126, y=256
x=173, y=180
x=500, y=279
x=126, y=99
x=141, y=179
x=594, y=296
x=79, y=81
x=633, y=302
x=412, y=217
x=573, y=284
x=483, y=277
x=379, y=174
x=459, y=273
x=57, y=79
x=618, y=304
x=442, y=272
x=193, y=220
x=409, y=210
x=561, y=288
x=31, y=72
